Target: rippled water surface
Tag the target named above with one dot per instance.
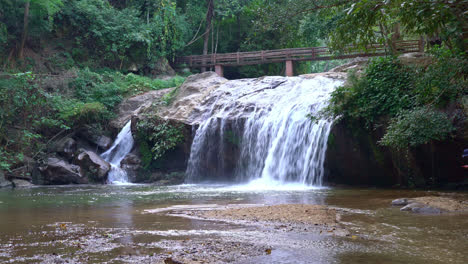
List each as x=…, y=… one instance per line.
x=97, y=224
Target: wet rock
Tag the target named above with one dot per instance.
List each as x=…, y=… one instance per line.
x=57, y=171
x=93, y=166
x=432, y=205
x=420, y=208
x=411, y=206
x=18, y=183
x=426, y=210
x=103, y=142
x=131, y=164
x=400, y=202
x=4, y=183
x=66, y=147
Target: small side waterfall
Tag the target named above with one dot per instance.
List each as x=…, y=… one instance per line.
x=122, y=145
x=271, y=138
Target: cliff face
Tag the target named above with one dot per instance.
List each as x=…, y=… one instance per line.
x=355, y=158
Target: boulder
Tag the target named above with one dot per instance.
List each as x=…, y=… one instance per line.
x=90, y=135
x=4, y=183
x=131, y=164
x=18, y=183
x=195, y=90
x=136, y=105
x=57, y=171
x=103, y=142
x=66, y=147
x=92, y=166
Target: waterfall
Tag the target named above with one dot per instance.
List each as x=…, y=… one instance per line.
x=122, y=145
x=259, y=130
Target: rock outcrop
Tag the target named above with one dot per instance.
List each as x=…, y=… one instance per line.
x=190, y=96
x=92, y=166
x=57, y=171
x=136, y=105
x=95, y=139
x=66, y=147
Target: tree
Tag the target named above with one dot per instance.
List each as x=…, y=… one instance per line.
x=363, y=22
x=208, y=26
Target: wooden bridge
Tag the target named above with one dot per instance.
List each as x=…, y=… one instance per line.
x=289, y=55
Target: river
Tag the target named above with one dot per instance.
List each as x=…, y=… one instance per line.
x=109, y=224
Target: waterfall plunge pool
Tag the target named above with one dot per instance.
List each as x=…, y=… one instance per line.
x=97, y=224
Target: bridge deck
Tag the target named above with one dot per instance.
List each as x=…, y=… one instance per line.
x=296, y=54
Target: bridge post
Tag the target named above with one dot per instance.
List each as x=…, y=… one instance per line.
x=289, y=68
x=219, y=70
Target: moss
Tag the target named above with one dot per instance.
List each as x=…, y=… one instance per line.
x=331, y=143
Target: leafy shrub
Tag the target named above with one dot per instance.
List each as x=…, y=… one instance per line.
x=416, y=127
x=443, y=81
x=388, y=90
x=91, y=87
x=138, y=84
x=80, y=113
x=382, y=91
x=127, y=34
x=22, y=103
x=158, y=136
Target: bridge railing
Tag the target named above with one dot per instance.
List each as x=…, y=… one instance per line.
x=294, y=54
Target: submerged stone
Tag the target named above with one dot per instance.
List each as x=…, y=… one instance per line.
x=400, y=202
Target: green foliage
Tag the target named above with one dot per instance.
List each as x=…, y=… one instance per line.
x=140, y=32
x=443, y=81
x=137, y=84
x=77, y=113
x=417, y=127
x=109, y=88
x=41, y=20
x=158, y=136
x=21, y=105
x=407, y=96
x=170, y=96
x=29, y=115
x=93, y=87
x=383, y=91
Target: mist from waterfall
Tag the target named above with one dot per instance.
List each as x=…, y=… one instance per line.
x=122, y=145
x=264, y=124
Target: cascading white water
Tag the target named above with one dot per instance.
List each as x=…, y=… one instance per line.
x=122, y=145
x=267, y=119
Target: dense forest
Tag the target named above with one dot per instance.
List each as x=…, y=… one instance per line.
x=66, y=64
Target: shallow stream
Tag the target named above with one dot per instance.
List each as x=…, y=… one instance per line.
x=108, y=224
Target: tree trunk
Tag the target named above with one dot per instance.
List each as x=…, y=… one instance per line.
x=25, y=30
x=209, y=17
